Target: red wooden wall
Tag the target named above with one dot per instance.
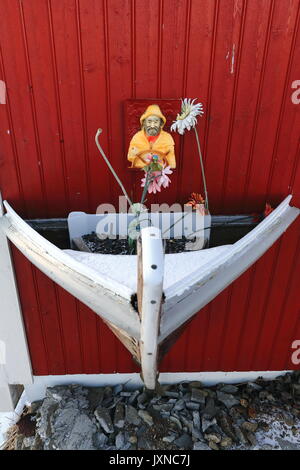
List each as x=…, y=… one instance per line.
x=68, y=66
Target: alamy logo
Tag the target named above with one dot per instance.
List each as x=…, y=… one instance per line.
x=296, y=354
x=2, y=352
x=296, y=95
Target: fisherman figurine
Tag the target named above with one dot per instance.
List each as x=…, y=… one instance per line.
x=151, y=142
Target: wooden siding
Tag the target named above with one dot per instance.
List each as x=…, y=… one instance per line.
x=69, y=66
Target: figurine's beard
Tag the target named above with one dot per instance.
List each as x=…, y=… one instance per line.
x=152, y=131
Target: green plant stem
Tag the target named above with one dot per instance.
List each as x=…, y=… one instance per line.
x=202, y=169
x=99, y=131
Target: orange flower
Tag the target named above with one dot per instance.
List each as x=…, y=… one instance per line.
x=195, y=199
x=268, y=210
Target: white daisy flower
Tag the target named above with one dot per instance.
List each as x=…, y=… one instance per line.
x=187, y=117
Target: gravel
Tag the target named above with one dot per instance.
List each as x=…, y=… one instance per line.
x=254, y=415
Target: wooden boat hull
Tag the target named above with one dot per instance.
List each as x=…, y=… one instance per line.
x=170, y=289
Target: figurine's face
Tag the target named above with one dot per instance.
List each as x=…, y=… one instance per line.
x=152, y=125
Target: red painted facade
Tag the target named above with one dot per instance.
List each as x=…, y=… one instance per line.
x=69, y=66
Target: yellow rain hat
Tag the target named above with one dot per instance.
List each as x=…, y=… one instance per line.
x=153, y=110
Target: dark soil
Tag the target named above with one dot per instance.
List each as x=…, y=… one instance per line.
x=119, y=246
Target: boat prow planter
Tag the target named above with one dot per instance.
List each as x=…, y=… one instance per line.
x=169, y=289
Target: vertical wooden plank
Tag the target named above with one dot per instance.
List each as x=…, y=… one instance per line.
x=228, y=32
x=274, y=308
x=64, y=18
x=31, y=314
x=253, y=312
x=119, y=82
x=196, y=85
x=51, y=322
x=37, y=29
x=277, y=61
x=247, y=94
x=235, y=318
x=285, y=149
x=10, y=180
x=16, y=65
x=90, y=349
x=286, y=332
x=146, y=32
x=195, y=350
x=70, y=331
x=94, y=78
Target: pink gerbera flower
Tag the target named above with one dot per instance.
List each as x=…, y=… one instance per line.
x=164, y=180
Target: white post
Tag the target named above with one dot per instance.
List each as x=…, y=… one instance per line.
x=15, y=366
x=150, y=290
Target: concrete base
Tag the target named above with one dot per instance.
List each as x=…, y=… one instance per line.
x=37, y=390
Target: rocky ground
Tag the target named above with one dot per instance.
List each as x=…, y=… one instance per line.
x=185, y=416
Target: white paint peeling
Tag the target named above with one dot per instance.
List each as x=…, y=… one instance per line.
x=2, y=92
x=232, y=59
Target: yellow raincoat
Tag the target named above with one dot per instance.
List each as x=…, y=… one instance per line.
x=163, y=146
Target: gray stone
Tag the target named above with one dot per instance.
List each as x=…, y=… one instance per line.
x=19, y=442
x=165, y=407
x=120, y=440
x=201, y=446
x=196, y=419
x=95, y=397
x=296, y=388
x=195, y=384
x=225, y=424
x=198, y=396
x=76, y=435
x=179, y=405
x=119, y=416
x=132, y=416
x=227, y=399
x=187, y=423
x=196, y=433
x=58, y=393
x=169, y=439
x=251, y=438
x=133, y=397
x=184, y=442
x=228, y=388
x=213, y=445
x=210, y=408
x=103, y=416
x=190, y=405
x=146, y=417
x=100, y=440
x=213, y=437
x=176, y=422
x=45, y=419
x=132, y=439
x=206, y=422
x=117, y=389
x=37, y=443
x=142, y=398
x=247, y=426
x=239, y=434
x=263, y=395
x=226, y=442
x=171, y=394
x=35, y=406
x=28, y=441
x=144, y=443
x=253, y=386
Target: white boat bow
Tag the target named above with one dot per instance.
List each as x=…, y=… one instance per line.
x=168, y=295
